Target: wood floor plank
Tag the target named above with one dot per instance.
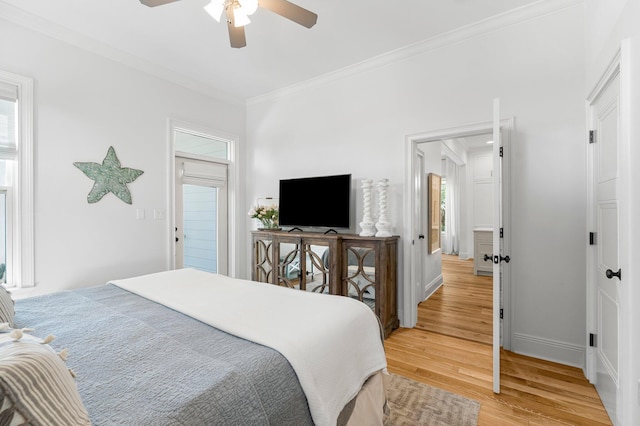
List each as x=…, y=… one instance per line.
x=459, y=359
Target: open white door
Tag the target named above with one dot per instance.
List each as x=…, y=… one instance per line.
x=497, y=249
x=605, y=265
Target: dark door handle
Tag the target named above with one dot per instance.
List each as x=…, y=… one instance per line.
x=177, y=239
x=421, y=237
x=487, y=257
x=610, y=274
x=498, y=259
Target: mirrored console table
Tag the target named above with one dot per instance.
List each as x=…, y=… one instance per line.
x=363, y=268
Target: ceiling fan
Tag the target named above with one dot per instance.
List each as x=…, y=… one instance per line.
x=238, y=11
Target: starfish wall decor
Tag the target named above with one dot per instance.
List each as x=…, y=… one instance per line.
x=109, y=177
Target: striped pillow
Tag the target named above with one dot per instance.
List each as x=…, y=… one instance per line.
x=37, y=384
x=6, y=307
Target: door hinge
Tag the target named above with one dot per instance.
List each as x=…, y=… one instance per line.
x=592, y=136
x=501, y=313
x=592, y=238
x=501, y=232
x=501, y=151
x=592, y=340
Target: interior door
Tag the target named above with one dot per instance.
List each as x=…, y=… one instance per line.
x=497, y=242
x=606, y=269
x=201, y=215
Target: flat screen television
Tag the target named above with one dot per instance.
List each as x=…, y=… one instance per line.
x=322, y=201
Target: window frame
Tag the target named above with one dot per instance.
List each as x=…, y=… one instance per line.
x=21, y=274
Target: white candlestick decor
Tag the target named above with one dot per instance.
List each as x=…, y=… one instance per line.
x=367, y=224
x=383, y=225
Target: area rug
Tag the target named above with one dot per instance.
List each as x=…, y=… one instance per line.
x=414, y=403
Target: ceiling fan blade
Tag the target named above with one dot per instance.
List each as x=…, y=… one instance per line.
x=154, y=3
x=236, y=34
x=291, y=11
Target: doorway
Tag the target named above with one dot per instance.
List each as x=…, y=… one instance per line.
x=500, y=307
x=415, y=249
x=203, y=194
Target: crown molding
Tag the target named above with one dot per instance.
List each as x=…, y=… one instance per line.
x=512, y=17
x=55, y=31
x=58, y=32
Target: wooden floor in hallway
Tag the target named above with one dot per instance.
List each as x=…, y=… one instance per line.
x=533, y=391
x=463, y=306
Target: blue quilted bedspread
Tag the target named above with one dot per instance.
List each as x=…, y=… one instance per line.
x=140, y=363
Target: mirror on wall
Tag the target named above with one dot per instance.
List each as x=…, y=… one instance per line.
x=434, y=187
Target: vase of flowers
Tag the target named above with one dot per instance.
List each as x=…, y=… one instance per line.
x=267, y=215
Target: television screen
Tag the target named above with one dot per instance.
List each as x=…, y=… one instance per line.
x=323, y=201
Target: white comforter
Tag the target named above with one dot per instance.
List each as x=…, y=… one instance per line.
x=332, y=342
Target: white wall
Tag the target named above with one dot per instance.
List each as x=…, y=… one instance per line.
x=359, y=124
x=432, y=264
x=479, y=194
x=84, y=104
x=607, y=22
x=631, y=336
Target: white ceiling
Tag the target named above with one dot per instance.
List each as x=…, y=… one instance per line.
x=476, y=141
x=181, y=41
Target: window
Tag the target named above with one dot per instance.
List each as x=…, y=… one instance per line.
x=195, y=143
x=16, y=181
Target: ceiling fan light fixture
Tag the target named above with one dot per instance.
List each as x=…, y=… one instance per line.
x=237, y=14
x=240, y=18
x=215, y=9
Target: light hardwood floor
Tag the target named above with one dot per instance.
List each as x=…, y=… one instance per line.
x=533, y=391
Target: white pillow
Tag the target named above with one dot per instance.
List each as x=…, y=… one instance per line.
x=7, y=312
x=36, y=386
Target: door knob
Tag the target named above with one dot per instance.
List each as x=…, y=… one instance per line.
x=487, y=257
x=610, y=274
x=421, y=237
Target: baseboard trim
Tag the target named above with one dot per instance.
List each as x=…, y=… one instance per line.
x=550, y=350
x=431, y=288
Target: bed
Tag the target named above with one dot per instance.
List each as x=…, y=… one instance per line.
x=187, y=347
